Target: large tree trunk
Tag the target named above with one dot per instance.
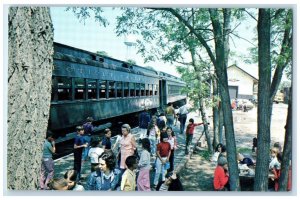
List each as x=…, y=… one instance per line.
x=287, y=149
x=216, y=115
x=263, y=111
x=204, y=120
x=221, y=71
x=30, y=48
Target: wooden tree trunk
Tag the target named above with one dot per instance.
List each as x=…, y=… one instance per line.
x=263, y=111
x=287, y=148
x=204, y=120
x=216, y=115
x=30, y=48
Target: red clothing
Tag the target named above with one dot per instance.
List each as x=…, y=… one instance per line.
x=191, y=127
x=164, y=148
x=277, y=176
x=220, y=178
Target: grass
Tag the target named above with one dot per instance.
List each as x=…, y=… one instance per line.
x=244, y=150
x=205, y=154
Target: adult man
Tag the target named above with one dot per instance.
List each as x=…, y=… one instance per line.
x=79, y=144
x=183, y=111
x=88, y=130
x=144, y=120
x=170, y=115
x=47, y=168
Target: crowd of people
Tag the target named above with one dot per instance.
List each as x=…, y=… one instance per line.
x=120, y=166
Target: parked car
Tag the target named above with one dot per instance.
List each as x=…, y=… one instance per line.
x=245, y=105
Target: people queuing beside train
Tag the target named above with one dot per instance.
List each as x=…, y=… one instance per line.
x=58, y=184
x=183, y=112
x=128, y=182
x=277, y=171
x=47, y=167
x=106, y=177
x=216, y=154
x=143, y=181
x=190, y=133
x=163, y=153
x=79, y=144
x=144, y=120
x=128, y=145
x=88, y=130
x=153, y=134
x=221, y=175
x=70, y=176
x=172, y=183
x=94, y=153
x=173, y=142
x=161, y=121
x=106, y=143
x=170, y=115
x=273, y=158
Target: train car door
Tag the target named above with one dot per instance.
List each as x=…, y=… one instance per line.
x=162, y=93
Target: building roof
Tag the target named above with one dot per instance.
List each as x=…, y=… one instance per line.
x=234, y=65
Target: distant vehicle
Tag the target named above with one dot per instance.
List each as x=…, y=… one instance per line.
x=245, y=102
x=279, y=97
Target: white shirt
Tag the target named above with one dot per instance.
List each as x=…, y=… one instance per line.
x=184, y=109
x=94, y=154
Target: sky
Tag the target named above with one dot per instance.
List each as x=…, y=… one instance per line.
x=90, y=36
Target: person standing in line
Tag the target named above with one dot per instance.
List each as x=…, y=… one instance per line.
x=106, y=143
x=106, y=177
x=173, y=142
x=144, y=120
x=94, y=153
x=88, y=130
x=153, y=133
x=47, y=168
x=183, y=111
x=176, y=115
x=129, y=176
x=143, y=181
x=190, y=132
x=128, y=145
x=79, y=145
x=163, y=155
x=170, y=115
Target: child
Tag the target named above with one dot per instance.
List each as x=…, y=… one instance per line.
x=221, y=176
x=173, y=142
x=218, y=150
x=189, y=133
x=153, y=134
x=94, y=153
x=79, y=145
x=106, y=143
x=143, y=181
x=128, y=178
x=274, y=161
x=70, y=176
x=277, y=171
x=163, y=155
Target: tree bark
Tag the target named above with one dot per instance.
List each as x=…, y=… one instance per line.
x=30, y=48
x=263, y=111
x=216, y=115
x=221, y=71
x=287, y=148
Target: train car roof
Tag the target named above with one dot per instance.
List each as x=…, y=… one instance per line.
x=87, y=57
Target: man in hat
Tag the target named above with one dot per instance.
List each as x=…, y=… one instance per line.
x=79, y=144
x=88, y=130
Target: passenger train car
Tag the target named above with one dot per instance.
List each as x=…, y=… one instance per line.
x=86, y=84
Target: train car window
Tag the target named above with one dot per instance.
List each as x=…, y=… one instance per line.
x=147, y=90
x=92, y=88
x=119, y=89
x=143, y=89
x=126, y=89
x=138, y=89
x=64, y=88
x=102, y=89
x=112, y=89
x=54, y=95
x=79, y=88
x=150, y=90
x=132, y=90
x=155, y=88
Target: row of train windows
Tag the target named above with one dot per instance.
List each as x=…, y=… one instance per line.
x=174, y=89
x=68, y=88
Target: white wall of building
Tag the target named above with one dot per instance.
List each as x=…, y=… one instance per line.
x=236, y=77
